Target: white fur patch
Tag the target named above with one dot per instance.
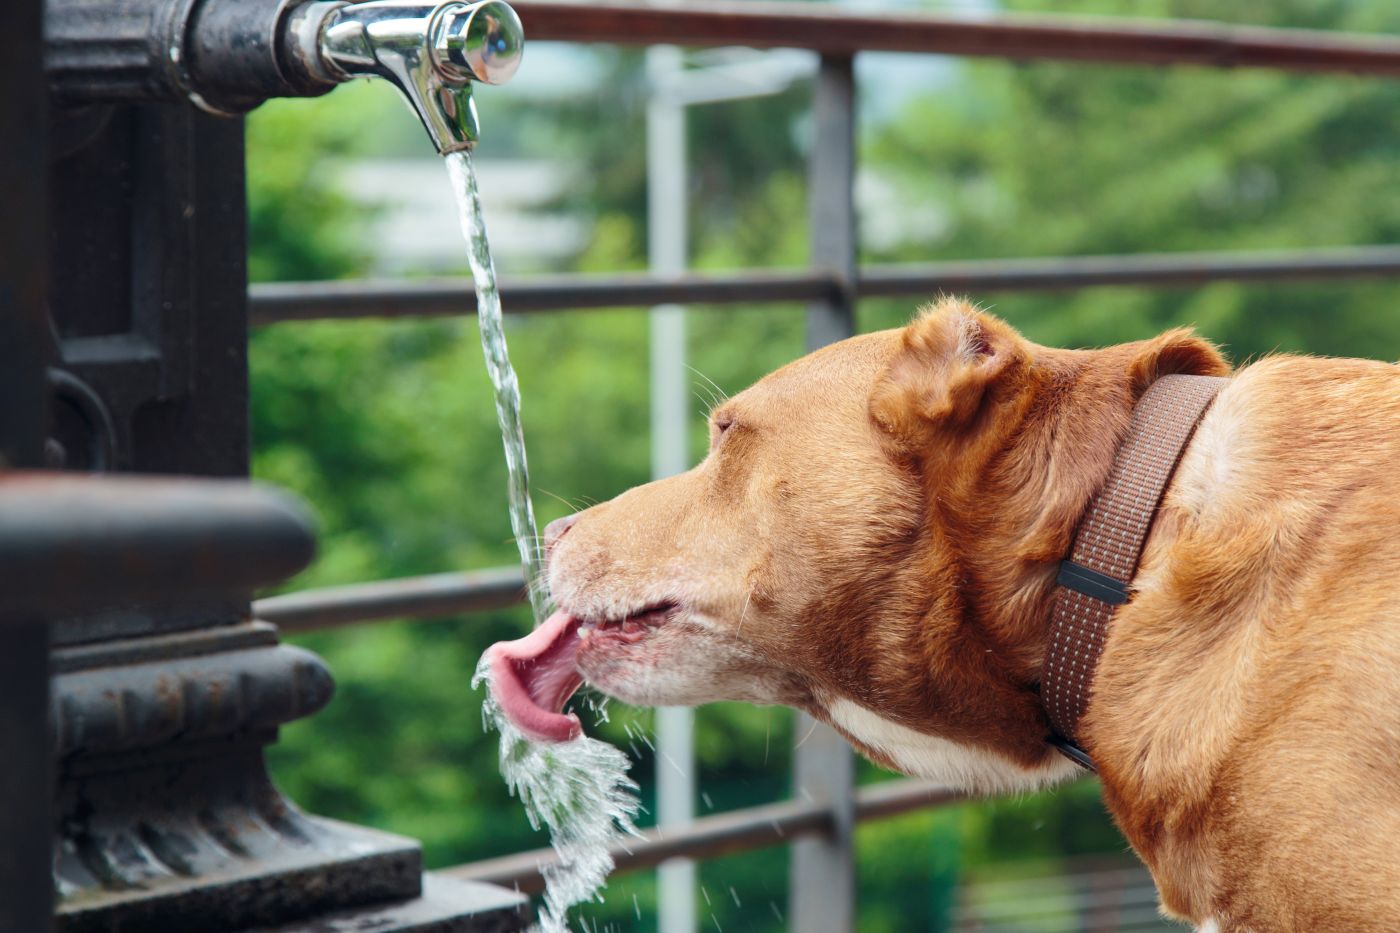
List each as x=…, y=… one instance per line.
x=937, y=759
x=1210, y=926
x=1210, y=463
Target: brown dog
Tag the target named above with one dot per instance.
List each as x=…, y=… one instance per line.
x=873, y=538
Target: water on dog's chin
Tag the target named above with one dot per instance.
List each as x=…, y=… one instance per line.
x=579, y=790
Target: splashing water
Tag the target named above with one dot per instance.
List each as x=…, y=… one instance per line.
x=579, y=790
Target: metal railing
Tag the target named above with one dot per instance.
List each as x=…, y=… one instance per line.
x=275, y=302
x=822, y=892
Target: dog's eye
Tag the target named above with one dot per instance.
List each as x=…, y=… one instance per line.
x=718, y=426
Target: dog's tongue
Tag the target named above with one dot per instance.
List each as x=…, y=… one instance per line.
x=532, y=678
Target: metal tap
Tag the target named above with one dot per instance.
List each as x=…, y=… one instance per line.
x=431, y=52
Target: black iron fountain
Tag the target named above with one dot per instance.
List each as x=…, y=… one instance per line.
x=165, y=691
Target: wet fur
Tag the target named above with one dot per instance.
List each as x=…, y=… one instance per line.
x=873, y=538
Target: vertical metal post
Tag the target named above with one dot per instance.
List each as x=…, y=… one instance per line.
x=26, y=782
x=670, y=404
x=831, y=199
x=821, y=892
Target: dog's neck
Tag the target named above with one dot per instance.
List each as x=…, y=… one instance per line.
x=1031, y=481
x=1005, y=491
x=1026, y=481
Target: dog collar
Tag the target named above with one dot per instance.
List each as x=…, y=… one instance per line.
x=1095, y=579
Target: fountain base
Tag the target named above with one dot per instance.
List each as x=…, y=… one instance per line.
x=168, y=821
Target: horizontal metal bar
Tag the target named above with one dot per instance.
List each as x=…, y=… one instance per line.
x=893, y=798
x=844, y=31
x=428, y=597
x=707, y=837
x=1143, y=269
x=711, y=836
x=300, y=301
x=293, y=301
x=71, y=542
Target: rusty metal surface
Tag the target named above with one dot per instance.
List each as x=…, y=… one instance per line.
x=167, y=646
x=207, y=843
x=142, y=706
x=447, y=906
x=845, y=32
x=304, y=301
x=70, y=542
x=721, y=834
x=426, y=597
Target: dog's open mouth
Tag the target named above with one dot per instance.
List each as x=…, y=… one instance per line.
x=533, y=677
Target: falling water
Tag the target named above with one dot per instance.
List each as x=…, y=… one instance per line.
x=507, y=387
x=579, y=790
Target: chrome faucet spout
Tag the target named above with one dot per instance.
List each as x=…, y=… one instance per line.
x=432, y=52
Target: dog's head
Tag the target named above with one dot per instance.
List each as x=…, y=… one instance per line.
x=871, y=538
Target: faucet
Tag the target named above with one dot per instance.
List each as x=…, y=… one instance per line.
x=228, y=56
x=431, y=52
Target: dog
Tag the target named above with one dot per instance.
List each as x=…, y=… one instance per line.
x=873, y=538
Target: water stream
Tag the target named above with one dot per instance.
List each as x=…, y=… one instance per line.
x=507, y=387
x=578, y=790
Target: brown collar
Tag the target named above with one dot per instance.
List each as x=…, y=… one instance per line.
x=1094, y=580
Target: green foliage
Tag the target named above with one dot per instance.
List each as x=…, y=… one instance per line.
x=1058, y=159
x=387, y=428
x=299, y=226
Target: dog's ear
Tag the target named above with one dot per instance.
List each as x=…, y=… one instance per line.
x=1176, y=351
x=953, y=360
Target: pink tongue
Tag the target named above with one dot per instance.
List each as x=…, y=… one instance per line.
x=532, y=678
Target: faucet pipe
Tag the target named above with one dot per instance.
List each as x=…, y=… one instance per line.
x=228, y=56
x=432, y=53
x=225, y=56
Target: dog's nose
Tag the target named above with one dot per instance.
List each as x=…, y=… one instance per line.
x=556, y=530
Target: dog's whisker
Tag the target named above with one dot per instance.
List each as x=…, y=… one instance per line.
x=804, y=739
x=572, y=504
x=745, y=611
x=714, y=397
x=724, y=396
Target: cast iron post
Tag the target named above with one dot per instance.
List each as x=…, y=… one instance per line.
x=164, y=699
x=25, y=778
